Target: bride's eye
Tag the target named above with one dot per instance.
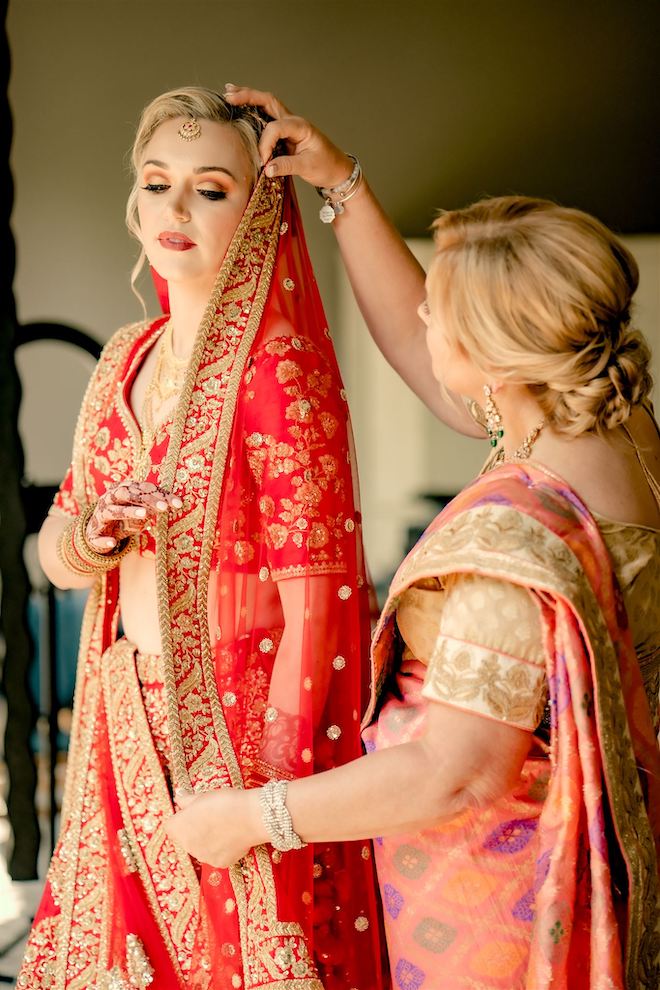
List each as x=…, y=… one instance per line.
x=155, y=187
x=213, y=193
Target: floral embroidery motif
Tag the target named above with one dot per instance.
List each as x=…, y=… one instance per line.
x=491, y=683
x=294, y=462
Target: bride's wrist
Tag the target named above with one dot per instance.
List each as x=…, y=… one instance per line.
x=254, y=822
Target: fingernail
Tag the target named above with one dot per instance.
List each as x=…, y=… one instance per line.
x=176, y=502
x=161, y=505
x=270, y=171
x=230, y=86
x=109, y=543
x=140, y=513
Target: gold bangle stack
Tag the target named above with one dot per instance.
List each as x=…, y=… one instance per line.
x=79, y=557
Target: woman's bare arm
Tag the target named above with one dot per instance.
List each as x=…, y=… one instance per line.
x=462, y=760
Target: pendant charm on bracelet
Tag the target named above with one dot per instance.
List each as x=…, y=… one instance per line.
x=327, y=212
x=336, y=196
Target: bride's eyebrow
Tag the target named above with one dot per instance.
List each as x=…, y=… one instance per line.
x=196, y=171
x=214, y=168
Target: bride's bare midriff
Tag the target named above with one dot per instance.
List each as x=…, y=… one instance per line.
x=258, y=606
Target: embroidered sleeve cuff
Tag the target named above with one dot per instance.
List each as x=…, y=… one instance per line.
x=486, y=682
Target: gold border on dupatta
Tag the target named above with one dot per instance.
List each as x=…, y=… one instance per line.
x=212, y=314
x=86, y=704
x=515, y=547
x=253, y=880
x=120, y=677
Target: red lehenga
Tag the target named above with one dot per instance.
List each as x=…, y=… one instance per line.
x=259, y=451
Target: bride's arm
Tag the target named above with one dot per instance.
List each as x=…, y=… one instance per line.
x=387, y=280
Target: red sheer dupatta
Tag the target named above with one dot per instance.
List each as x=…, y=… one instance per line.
x=268, y=546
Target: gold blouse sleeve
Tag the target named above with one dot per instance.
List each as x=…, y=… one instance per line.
x=488, y=652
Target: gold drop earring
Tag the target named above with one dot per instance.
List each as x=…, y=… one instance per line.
x=493, y=418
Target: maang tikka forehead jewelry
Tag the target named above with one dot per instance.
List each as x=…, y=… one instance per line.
x=190, y=129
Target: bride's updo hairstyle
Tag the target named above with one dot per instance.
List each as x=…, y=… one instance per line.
x=189, y=101
x=540, y=295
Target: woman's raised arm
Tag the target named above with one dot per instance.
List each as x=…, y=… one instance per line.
x=387, y=280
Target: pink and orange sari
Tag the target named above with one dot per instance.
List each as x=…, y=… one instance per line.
x=259, y=451
x=555, y=885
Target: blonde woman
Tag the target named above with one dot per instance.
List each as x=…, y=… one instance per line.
x=210, y=506
x=511, y=781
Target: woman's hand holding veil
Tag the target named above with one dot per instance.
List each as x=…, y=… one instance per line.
x=311, y=155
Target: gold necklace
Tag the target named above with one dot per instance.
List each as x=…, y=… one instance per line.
x=166, y=382
x=170, y=371
x=524, y=450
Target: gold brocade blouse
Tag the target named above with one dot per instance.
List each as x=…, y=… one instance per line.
x=481, y=638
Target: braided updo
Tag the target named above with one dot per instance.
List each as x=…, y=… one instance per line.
x=539, y=294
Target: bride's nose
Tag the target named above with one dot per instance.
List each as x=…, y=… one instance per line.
x=179, y=210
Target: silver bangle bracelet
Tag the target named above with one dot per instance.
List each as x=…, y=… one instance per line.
x=276, y=817
x=336, y=196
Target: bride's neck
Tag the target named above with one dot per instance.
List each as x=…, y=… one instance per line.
x=188, y=301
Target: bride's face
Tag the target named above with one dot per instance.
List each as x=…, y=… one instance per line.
x=191, y=198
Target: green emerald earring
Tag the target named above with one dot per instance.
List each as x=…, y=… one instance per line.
x=493, y=418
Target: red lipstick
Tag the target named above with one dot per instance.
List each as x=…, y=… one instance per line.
x=174, y=240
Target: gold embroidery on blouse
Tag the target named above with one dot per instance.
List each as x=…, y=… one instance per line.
x=486, y=681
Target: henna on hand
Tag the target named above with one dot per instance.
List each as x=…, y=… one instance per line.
x=126, y=510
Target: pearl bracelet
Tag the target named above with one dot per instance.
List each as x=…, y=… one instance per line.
x=276, y=817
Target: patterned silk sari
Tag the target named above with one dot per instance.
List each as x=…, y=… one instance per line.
x=556, y=884
x=259, y=451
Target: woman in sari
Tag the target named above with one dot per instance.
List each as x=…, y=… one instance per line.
x=210, y=508
x=512, y=777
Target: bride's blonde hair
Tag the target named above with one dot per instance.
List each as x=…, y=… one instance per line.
x=540, y=295
x=188, y=101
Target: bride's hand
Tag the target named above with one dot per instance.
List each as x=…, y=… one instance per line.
x=219, y=827
x=311, y=155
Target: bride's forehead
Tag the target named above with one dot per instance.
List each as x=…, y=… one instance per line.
x=170, y=144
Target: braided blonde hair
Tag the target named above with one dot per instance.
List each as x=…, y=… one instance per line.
x=540, y=295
